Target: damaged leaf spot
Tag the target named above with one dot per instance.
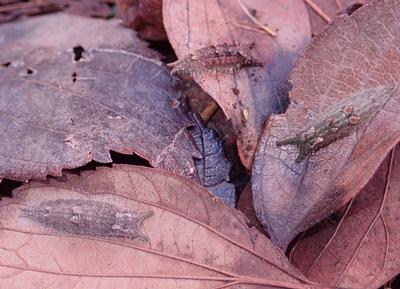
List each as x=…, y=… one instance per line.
x=89, y=218
x=339, y=122
x=27, y=71
x=350, y=10
x=78, y=52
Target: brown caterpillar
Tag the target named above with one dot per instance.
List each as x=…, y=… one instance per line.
x=89, y=218
x=223, y=58
x=339, y=122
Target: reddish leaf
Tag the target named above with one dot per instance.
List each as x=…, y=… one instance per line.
x=251, y=94
x=331, y=9
x=58, y=111
x=67, y=234
x=89, y=8
x=355, y=61
x=145, y=16
x=245, y=205
x=363, y=249
x=10, y=10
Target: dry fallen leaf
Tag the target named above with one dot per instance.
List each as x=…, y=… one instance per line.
x=213, y=168
x=12, y=9
x=88, y=8
x=357, y=62
x=63, y=31
x=145, y=16
x=61, y=109
x=362, y=249
x=245, y=205
x=251, y=94
x=66, y=233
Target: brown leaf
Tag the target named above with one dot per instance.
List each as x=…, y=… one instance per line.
x=362, y=250
x=145, y=16
x=350, y=67
x=331, y=9
x=89, y=8
x=10, y=10
x=61, y=109
x=245, y=205
x=133, y=227
x=251, y=94
x=62, y=31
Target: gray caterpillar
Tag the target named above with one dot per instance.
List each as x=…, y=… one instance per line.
x=340, y=122
x=89, y=218
x=221, y=58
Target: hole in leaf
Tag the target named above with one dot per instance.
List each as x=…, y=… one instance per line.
x=351, y=9
x=7, y=186
x=78, y=51
x=6, y=64
x=132, y=159
x=117, y=158
x=165, y=48
x=74, y=75
x=27, y=71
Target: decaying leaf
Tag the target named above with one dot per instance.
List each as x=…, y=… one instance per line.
x=61, y=109
x=89, y=8
x=10, y=10
x=251, y=94
x=145, y=16
x=63, y=31
x=362, y=248
x=191, y=239
x=245, y=205
x=213, y=168
x=356, y=59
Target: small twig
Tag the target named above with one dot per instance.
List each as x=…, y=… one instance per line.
x=209, y=111
x=319, y=11
x=244, y=26
x=262, y=26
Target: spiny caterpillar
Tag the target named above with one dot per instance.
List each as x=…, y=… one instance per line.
x=223, y=58
x=89, y=218
x=340, y=122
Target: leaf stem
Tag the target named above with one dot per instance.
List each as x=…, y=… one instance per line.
x=318, y=10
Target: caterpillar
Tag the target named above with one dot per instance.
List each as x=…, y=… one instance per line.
x=89, y=218
x=222, y=58
x=339, y=122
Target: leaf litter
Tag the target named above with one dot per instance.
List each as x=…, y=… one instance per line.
x=79, y=230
